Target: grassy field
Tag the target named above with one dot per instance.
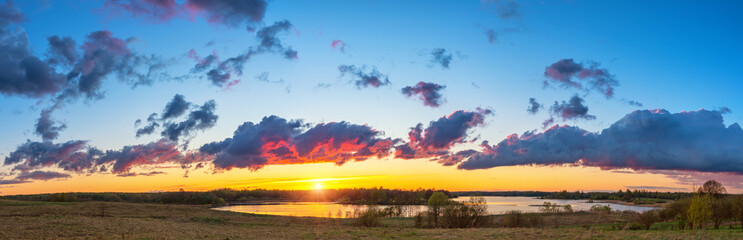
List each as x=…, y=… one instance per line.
x=111, y=220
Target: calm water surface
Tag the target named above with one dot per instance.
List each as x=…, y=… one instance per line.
x=496, y=205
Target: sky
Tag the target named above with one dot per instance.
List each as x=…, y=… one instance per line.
x=493, y=95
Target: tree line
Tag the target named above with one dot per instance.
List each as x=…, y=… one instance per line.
x=372, y=196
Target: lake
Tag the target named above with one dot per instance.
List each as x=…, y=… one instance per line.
x=496, y=205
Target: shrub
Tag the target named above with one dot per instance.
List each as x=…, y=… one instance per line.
x=465, y=215
x=598, y=208
x=513, y=219
x=699, y=210
x=648, y=218
x=371, y=217
x=636, y=226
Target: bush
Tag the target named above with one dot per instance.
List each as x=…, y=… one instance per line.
x=371, y=217
x=648, y=218
x=636, y=226
x=598, y=208
x=465, y=215
x=514, y=219
x=700, y=209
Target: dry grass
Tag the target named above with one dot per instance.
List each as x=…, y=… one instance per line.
x=96, y=220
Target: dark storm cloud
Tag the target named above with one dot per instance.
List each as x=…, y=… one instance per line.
x=569, y=74
x=225, y=12
x=429, y=93
x=41, y=175
x=441, y=57
x=276, y=140
x=642, y=140
x=440, y=135
x=573, y=109
x=534, y=106
x=362, y=79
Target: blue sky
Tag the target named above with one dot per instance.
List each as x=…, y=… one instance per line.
x=674, y=55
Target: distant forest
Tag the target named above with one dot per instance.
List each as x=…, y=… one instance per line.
x=637, y=196
x=233, y=196
x=379, y=196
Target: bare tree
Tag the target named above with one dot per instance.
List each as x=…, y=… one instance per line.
x=713, y=188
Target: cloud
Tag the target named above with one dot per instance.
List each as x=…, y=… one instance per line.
x=569, y=74
x=429, y=93
x=22, y=73
x=440, y=135
x=363, y=80
x=271, y=43
x=534, y=106
x=176, y=107
x=338, y=44
x=147, y=130
x=45, y=126
x=494, y=34
x=224, y=12
x=70, y=156
x=642, y=140
x=632, y=102
x=62, y=50
x=441, y=57
x=103, y=54
x=223, y=73
x=573, y=109
x=41, y=175
x=200, y=118
x=162, y=151
x=133, y=174
x=505, y=9
x=12, y=181
x=230, y=12
x=724, y=110
x=275, y=140
x=76, y=156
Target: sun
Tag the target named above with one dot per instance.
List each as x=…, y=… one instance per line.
x=318, y=186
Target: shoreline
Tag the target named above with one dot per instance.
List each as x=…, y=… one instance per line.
x=655, y=205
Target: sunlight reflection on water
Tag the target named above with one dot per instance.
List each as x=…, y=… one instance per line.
x=496, y=205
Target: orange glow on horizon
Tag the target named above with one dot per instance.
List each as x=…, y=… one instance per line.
x=364, y=174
